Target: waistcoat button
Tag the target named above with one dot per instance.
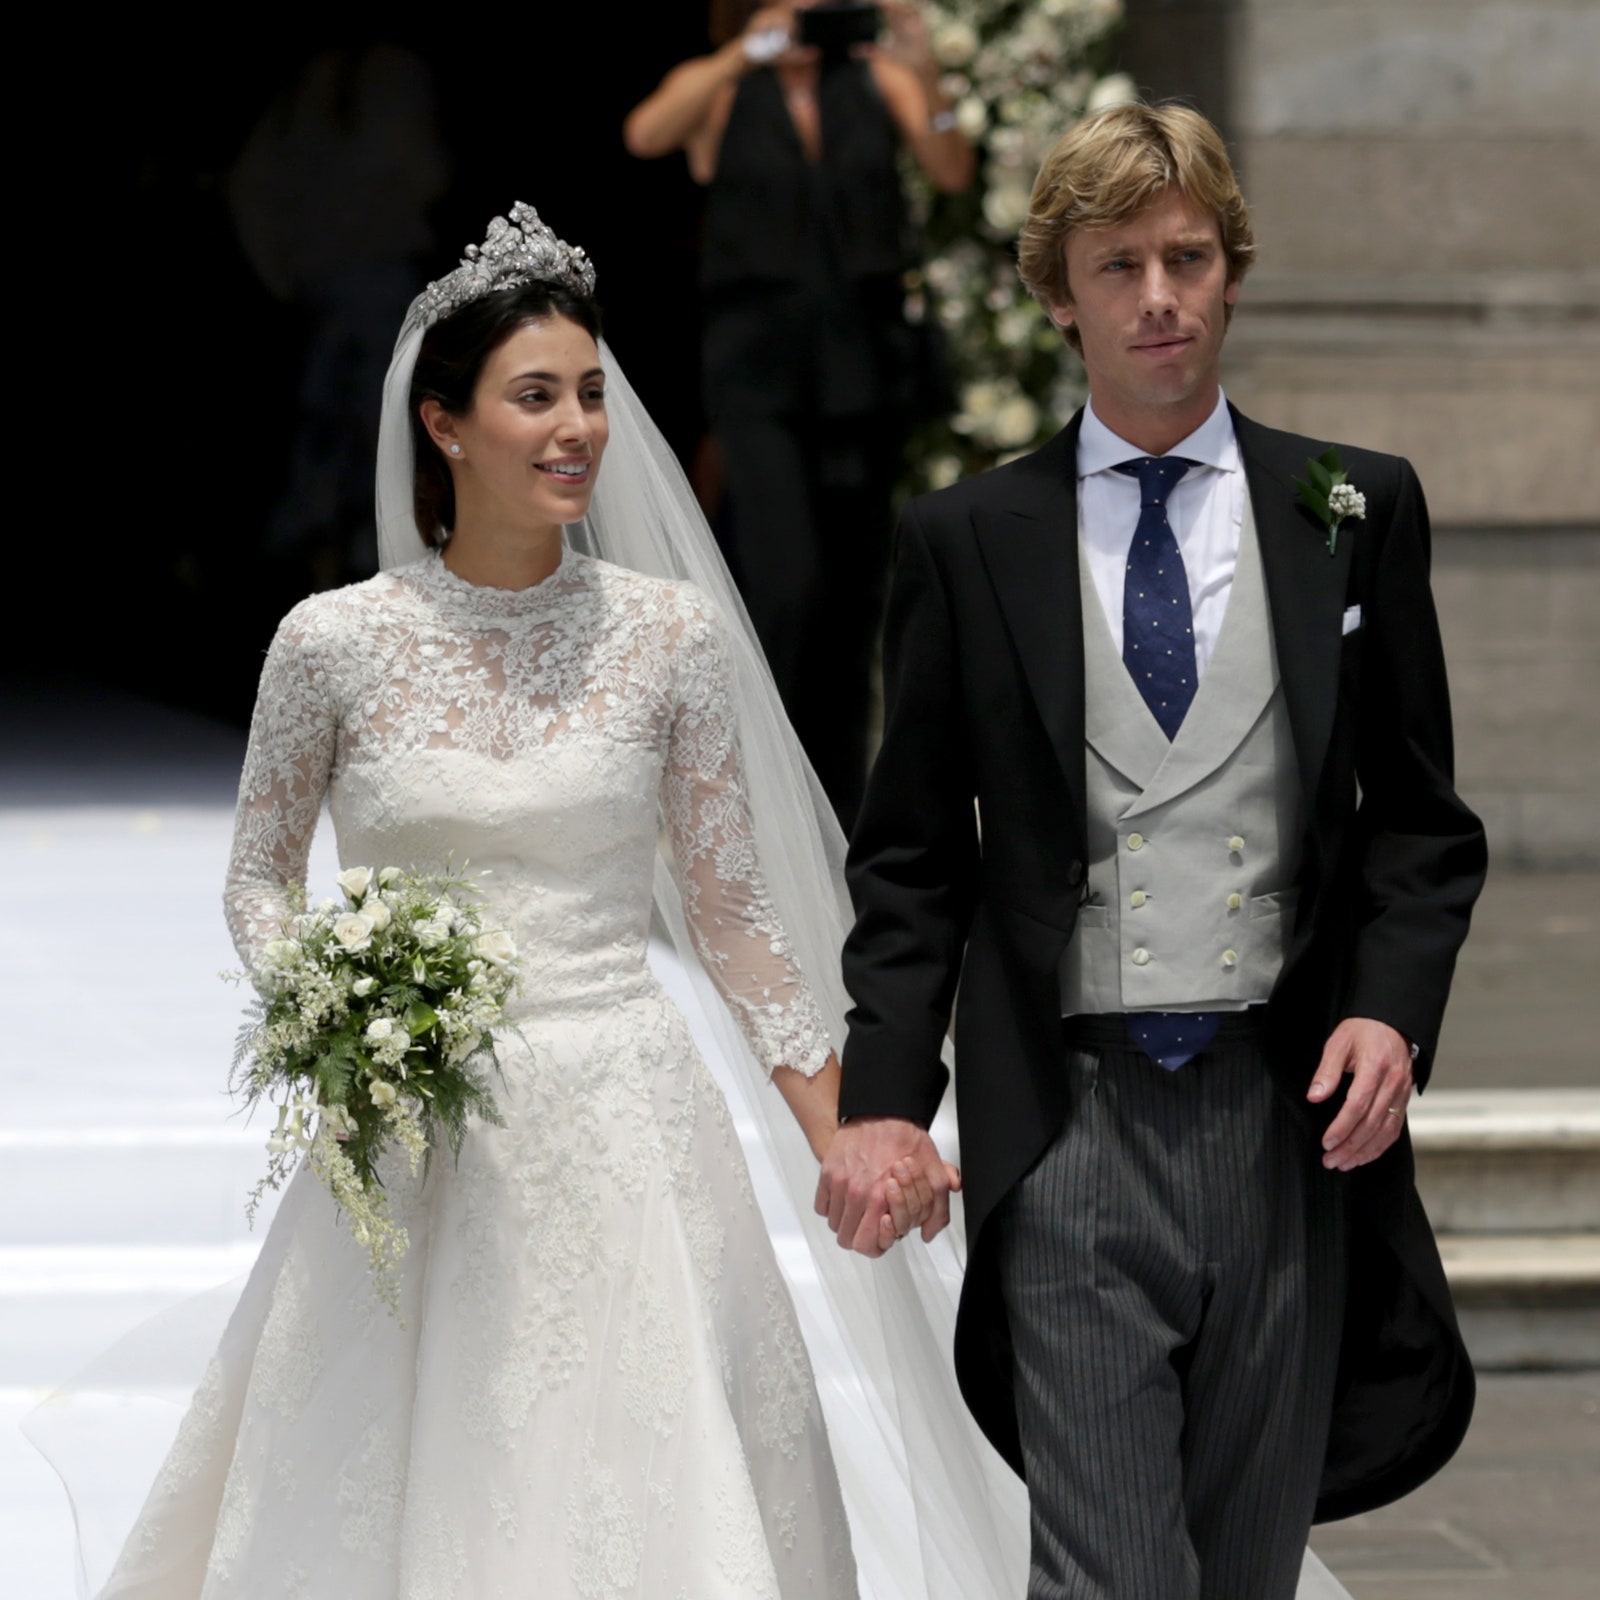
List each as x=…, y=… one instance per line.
x=1136, y=841
x=1141, y=957
x=1230, y=958
x=1235, y=901
x=1236, y=844
x=1139, y=897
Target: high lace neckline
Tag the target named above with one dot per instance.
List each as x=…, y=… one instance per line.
x=483, y=602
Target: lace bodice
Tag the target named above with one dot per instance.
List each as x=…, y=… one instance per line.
x=542, y=735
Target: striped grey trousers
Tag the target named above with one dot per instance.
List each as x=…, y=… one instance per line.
x=1172, y=1272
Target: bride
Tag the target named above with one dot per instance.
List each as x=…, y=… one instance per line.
x=599, y=1386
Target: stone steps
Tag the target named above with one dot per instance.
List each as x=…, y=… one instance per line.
x=1511, y=1181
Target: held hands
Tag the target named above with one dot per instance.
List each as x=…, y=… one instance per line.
x=1378, y=1062
x=883, y=1177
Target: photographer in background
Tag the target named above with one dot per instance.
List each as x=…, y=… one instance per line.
x=795, y=124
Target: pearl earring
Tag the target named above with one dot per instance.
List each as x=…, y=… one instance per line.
x=455, y=449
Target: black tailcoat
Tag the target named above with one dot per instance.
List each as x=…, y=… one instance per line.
x=985, y=703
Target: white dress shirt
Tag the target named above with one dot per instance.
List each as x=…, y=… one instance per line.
x=1206, y=511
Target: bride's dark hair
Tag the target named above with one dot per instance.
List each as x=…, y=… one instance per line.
x=449, y=364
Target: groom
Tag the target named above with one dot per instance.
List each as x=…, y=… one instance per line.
x=1166, y=785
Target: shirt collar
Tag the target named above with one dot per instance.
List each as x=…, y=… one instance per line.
x=1212, y=444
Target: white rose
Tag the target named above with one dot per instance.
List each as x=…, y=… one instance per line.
x=980, y=400
x=972, y=117
x=942, y=471
x=1005, y=207
x=433, y=932
x=1015, y=423
x=377, y=908
x=362, y=987
x=387, y=876
x=353, y=930
x=1037, y=35
x=328, y=906
x=355, y=881
x=1118, y=89
x=383, y=1094
x=954, y=44
x=380, y=1028
x=498, y=947
x=1015, y=326
x=281, y=952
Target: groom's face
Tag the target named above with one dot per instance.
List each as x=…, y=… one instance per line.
x=1150, y=299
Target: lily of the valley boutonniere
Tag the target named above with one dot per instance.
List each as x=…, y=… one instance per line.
x=1330, y=495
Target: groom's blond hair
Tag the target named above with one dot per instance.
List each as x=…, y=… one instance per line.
x=1110, y=166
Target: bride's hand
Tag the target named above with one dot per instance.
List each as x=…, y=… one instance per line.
x=910, y=1200
x=908, y=1193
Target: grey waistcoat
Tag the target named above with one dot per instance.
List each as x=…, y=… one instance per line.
x=1193, y=844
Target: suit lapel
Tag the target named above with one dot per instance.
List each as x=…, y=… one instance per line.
x=1305, y=592
x=1028, y=539
x=1117, y=723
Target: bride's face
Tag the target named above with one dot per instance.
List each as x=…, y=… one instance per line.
x=531, y=445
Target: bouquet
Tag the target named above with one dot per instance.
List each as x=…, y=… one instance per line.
x=374, y=1028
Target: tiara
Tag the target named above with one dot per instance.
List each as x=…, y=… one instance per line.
x=520, y=251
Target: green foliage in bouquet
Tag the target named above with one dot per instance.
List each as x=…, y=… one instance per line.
x=374, y=1029
x=1019, y=73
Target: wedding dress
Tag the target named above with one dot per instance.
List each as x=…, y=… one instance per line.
x=599, y=1388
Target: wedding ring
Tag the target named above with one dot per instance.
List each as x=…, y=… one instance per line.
x=1395, y=1111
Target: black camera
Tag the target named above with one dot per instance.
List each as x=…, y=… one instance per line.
x=837, y=28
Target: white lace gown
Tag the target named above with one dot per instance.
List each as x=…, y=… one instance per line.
x=600, y=1388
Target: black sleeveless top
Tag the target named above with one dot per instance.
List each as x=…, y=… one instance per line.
x=803, y=261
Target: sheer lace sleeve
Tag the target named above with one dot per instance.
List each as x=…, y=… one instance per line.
x=730, y=913
x=286, y=770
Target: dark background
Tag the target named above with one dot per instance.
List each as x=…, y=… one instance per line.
x=182, y=369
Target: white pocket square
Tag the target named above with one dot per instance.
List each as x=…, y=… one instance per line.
x=1352, y=619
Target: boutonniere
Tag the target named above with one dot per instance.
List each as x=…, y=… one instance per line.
x=1332, y=497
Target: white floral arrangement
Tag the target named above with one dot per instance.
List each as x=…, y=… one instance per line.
x=374, y=1028
x=1019, y=73
x=1329, y=495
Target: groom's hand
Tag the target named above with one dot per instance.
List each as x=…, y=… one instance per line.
x=881, y=1168
x=1377, y=1061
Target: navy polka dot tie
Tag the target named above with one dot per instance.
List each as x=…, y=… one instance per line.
x=1157, y=622
x=1158, y=650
